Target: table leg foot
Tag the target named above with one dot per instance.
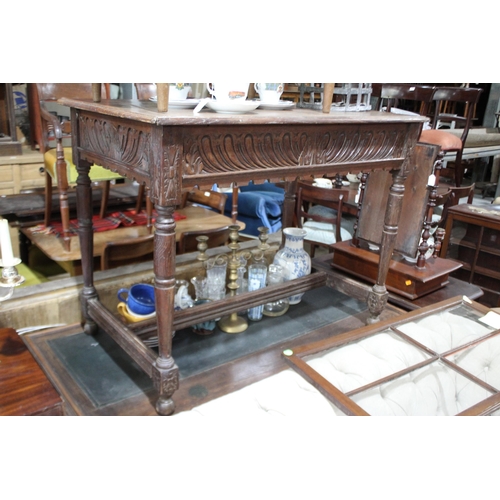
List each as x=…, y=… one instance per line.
x=377, y=300
x=90, y=327
x=165, y=406
x=166, y=380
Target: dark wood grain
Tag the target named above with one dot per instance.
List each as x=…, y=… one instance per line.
x=25, y=390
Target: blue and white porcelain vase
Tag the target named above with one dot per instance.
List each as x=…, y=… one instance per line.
x=294, y=260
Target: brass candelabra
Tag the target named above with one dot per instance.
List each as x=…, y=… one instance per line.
x=234, y=323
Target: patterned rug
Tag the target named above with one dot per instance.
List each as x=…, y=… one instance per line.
x=112, y=221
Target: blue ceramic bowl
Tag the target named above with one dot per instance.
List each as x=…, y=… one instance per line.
x=139, y=298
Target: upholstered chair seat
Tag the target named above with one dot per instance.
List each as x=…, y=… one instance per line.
x=97, y=173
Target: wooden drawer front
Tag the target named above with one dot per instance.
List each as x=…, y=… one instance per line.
x=31, y=172
x=6, y=173
x=15, y=177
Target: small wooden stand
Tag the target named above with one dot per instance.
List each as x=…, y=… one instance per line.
x=404, y=278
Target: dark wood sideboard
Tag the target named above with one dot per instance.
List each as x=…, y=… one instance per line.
x=176, y=150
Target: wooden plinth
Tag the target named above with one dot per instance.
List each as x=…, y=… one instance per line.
x=404, y=278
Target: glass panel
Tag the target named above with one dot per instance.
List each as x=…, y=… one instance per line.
x=447, y=330
x=354, y=365
x=482, y=360
x=434, y=390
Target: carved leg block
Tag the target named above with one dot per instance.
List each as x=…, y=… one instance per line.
x=166, y=380
x=377, y=300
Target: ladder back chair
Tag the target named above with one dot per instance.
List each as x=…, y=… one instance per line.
x=319, y=211
x=394, y=94
x=127, y=251
x=454, y=109
x=211, y=199
x=216, y=237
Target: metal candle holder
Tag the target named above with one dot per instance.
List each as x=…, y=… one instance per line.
x=234, y=323
x=10, y=279
x=202, y=247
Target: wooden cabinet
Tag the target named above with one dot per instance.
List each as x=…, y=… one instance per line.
x=473, y=239
x=9, y=145
x=20, y=172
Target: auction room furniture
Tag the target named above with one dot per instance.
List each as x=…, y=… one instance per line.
x=197, y=218
x=53, y=137
x=127, y=251
x=177, y=150
x=208, y=198
x=414, y=269
x=441, y=360
x=451, y=110
x=473, y=239
x=454, y=110
x=257, y=205
x=319, y=211
x=9, y=145
x=25, y=388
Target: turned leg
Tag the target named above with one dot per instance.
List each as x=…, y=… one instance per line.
x=165, y=371
x=62, y=184
x=377, y=298
x=86, y=235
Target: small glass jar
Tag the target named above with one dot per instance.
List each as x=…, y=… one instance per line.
x=257, y=274
x=275, y=276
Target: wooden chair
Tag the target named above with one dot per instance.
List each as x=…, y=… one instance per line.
x=394, y=94
x=319, y=211
x=212, y=199
x=54, y=139
x=145, y=91
x=451, y=107
x=127, y=251
x=216, y=237
x=438, y=215
x=449, y=199
x=454, y=109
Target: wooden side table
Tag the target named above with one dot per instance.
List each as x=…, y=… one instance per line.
x=473, y=238
x=25, y=388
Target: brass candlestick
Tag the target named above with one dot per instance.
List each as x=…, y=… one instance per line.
x=202, y=247
x=234, y=323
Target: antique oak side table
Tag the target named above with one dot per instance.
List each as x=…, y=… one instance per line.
x=176, y=150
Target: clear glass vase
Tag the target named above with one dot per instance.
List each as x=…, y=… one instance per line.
x=279, y=307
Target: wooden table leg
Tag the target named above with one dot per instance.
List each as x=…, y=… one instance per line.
x=377, y=298
x=165, y=372
x=86, y=235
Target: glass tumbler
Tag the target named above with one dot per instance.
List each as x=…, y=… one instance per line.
x=257, y=274
x=216, y=278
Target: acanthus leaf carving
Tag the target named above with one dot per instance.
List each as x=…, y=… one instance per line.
x=120, y=143
x=226, y=151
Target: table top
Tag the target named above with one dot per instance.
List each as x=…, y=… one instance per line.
x=197, y=218
x=491, y=213
x=147, y=112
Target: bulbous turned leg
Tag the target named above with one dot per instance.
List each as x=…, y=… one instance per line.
x=165, y=406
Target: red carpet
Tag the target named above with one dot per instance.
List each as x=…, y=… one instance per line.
x=112, y=221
